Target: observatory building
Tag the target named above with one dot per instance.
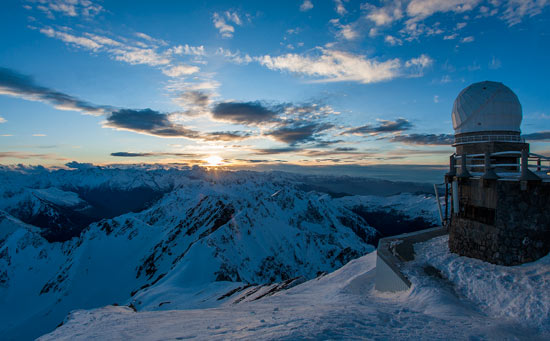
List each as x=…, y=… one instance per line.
x=500, y=192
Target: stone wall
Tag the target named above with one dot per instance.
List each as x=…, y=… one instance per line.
x=500, y=223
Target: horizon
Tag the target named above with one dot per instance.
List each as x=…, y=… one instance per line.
x=340, y=87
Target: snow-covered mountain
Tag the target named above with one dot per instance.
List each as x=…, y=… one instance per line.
x=465, y=299
x=185, y=232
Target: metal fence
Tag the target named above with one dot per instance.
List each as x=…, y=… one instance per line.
x=529, y=166
x=488, y=138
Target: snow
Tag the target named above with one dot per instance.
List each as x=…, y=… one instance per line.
x=183, y=249
x=340, y=305
x=214, y=232
x=58, y=197
x=408, y=204
x=518, y=293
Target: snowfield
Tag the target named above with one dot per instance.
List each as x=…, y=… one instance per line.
x=340, y=305
x=518, y=293
x=147, y=252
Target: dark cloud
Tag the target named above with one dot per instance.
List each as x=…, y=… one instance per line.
x=152, y=154
x=226, y=135
x=253, y=160
x=385, y=126
x=244, y=112
x=24, y=156
x=79, y=165
x=298, y=132
x=333, y=152
x=538, y=136
x=195, y=102
x=425, y=139
x=195, y=97
x=15, y=84
x=345, y=149
x=415, y=152
x=147, y=121
x=269, y=151
x=325, y=144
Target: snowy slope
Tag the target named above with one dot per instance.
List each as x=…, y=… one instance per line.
x=340, y=305
x=230, y=229
x=205, y=234
x=518, y=293
x=407, y=204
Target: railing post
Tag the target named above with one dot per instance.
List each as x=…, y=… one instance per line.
x=526, y=174
x=489, y=172
x=452, y=167
x=463, y=174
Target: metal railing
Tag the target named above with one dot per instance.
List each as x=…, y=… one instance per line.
x=529, y=166
x=488, y=138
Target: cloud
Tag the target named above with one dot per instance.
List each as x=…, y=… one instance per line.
x=393, y=40
x=147, y=121
x=188, y=50
x=71, y=8
x=152, y=52
x=468, y=39
x=71, y=39
x=385, y=126
x=424, y=139
x=333, y=152
x=3, y=120
x=298, y=132
x=338, y=66
x=225, y=29
x=421, y=9
x=39, y=135
x=226, y=135
x=538, y=136
x=494, y=63
x=450, y=36
x=233, y=17
x=18, y=85
x=340, y=9
x=135, y=55
x=150, y=39
x=306, y=6
x=243, y=112
x=150, y=122
x=194, y=100
x=272, y=151
x=142, y=54
x=79, y=165
x=177, y=85
x=386, y=15
x=516, y=10
x=234, y=57
x=345, y=31
x=152, y=154
x=415, y=12
x=180, y=70
x=24, y=156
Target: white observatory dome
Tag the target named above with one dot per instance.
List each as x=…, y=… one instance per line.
x=486, y=107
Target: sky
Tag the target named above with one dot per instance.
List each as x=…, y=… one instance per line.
x=252, y=84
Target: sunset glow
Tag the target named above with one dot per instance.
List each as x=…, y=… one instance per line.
x=343, y=85
x=213, y=161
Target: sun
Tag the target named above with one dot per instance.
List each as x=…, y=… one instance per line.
x=213, y=160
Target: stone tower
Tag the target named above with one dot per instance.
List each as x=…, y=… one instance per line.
x=500, y=208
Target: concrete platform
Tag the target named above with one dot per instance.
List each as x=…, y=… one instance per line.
x=393, y=252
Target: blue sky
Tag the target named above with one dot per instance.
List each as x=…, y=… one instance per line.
x=257, y=83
